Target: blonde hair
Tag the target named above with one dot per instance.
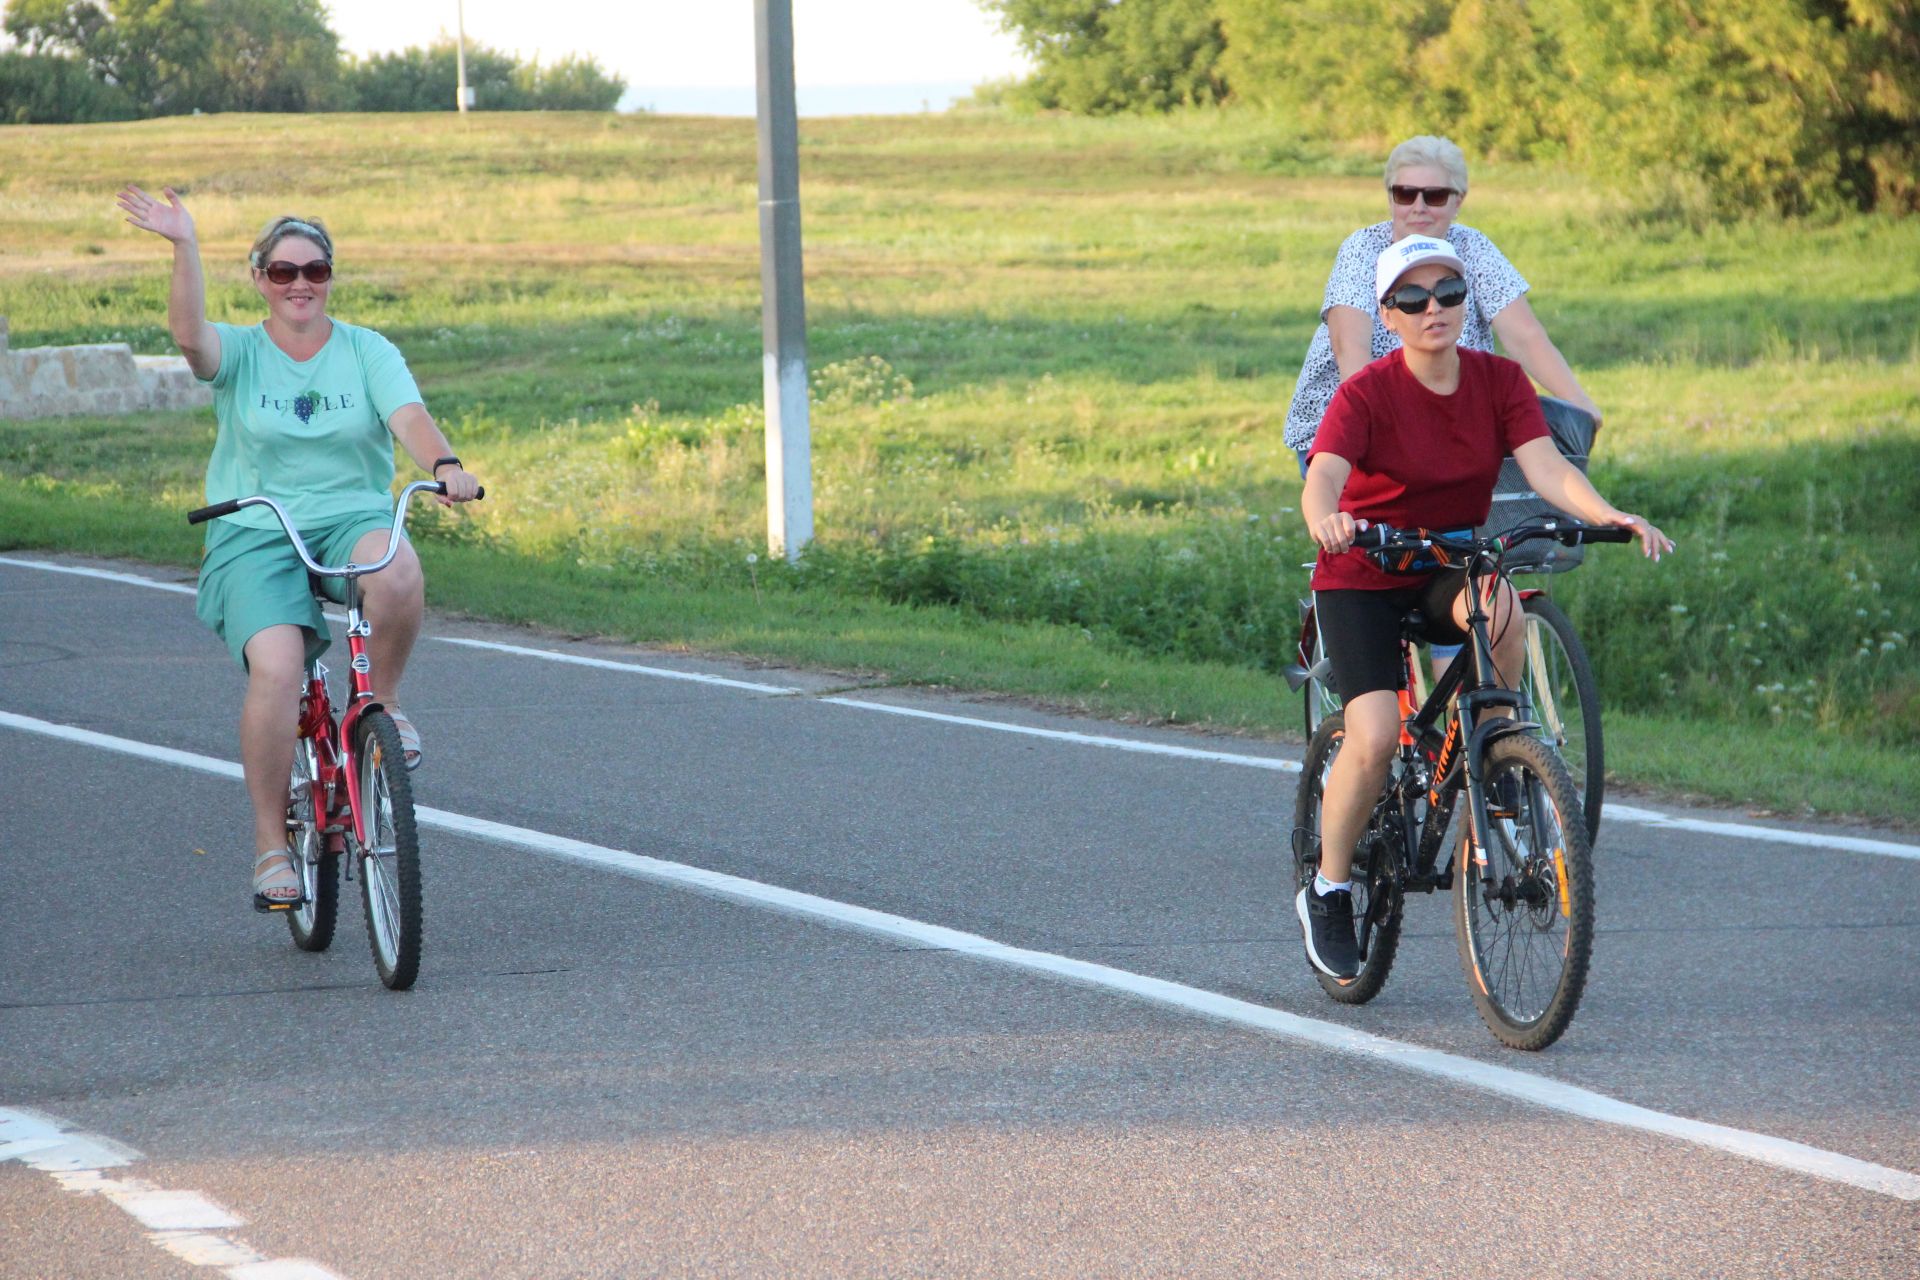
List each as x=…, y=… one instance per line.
x=1438, y=153
x=287, y=225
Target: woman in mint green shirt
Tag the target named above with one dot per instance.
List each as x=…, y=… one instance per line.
x=308, y=410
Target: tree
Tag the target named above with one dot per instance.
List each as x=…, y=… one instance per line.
x=148, y=48
x=46, y=88
x=170, y=56
x=271, y=55
x=571, y=84
x=425, y=79
x=1098, y=57
x=1344, y=68
x=1494, y=77
x=1881, y=128
x=1732, y=107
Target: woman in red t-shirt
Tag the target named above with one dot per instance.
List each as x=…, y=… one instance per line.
x=1414, y=440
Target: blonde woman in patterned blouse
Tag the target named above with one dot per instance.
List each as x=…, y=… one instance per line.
x=1426, y=182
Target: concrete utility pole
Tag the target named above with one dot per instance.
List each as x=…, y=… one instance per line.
x=460, y=55
x=783, y=305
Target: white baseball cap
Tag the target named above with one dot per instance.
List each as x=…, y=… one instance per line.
x=1403, y=256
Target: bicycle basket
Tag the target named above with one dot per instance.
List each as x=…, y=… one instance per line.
x=1572, y=430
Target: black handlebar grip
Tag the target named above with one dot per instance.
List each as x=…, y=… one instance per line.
x=440, y=487
x=213, y=512
x=1607, y=533
x=1373, y=536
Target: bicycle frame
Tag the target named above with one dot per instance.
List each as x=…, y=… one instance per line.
x=333, y=745
x=1418, y=803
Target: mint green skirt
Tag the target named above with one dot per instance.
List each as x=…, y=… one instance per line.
x=251, y=579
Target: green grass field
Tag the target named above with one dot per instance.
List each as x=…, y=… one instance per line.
x=1051, y=359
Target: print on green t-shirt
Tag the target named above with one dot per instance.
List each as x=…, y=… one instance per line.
x=311, y=434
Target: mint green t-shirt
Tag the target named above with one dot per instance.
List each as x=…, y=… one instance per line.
x=312, y=435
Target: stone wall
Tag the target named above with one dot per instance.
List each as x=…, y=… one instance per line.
x=99, y=379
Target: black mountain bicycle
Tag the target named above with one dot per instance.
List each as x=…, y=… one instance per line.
x=1521, y=867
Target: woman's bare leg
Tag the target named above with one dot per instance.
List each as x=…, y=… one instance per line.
x=1354, y=782
x=269, y=719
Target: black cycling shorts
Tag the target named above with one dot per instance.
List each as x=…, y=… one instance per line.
x=1360, y=630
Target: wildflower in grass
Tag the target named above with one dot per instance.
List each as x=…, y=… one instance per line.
x=1676, y=608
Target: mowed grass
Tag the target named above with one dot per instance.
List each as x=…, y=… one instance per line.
x=1051, y=362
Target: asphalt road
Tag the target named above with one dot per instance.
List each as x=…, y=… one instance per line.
x=603, y=1072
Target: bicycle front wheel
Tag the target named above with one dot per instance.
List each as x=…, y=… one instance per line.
x=1523, y=902
x=390, y=859
x=312, y=922
x=1368, y=879
x=1559, y=684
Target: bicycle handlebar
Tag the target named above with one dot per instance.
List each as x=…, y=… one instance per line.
x=349, y=570
x=1380, y=539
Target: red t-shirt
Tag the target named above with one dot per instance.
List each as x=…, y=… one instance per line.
x=1421, y=460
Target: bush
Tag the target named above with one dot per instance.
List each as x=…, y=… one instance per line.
x=427, y=79
x=48, y=89
x=1097, y=57
x=1712, y=108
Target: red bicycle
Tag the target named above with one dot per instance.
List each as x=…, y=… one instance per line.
x=350, y=793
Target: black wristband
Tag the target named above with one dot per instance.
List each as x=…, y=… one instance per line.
x=438, y=463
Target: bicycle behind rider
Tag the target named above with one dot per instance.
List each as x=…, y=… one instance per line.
x=308, y=409
x=1413, y=440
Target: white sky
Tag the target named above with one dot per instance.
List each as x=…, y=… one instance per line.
x=707, y=43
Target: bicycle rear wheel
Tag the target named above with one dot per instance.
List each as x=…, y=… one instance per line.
x=1384, y=941
x=390, y=859
x=1566, y=701
x=1523, y=905
x=312, y=922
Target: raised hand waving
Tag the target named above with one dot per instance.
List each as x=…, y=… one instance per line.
x=166, y=218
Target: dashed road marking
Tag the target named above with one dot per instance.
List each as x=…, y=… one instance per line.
x=184, y=1223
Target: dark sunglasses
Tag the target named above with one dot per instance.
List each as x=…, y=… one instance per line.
x=319, y=271
x=1434, y=196
x=1412, y=298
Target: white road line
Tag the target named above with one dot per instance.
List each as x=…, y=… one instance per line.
x=1507, y=1082
x=184, y=1223
x=1750, y=831
x=1614, y=812
x=105, y=575
x=1083, y=739
x=607, y=664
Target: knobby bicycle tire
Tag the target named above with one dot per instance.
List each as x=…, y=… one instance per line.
x=1385, y=940
x=1523, y=906
x=389, y=862
x=312, y=922
x=1566, y=701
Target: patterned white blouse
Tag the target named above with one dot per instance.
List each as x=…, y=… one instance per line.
x=1492, y=283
